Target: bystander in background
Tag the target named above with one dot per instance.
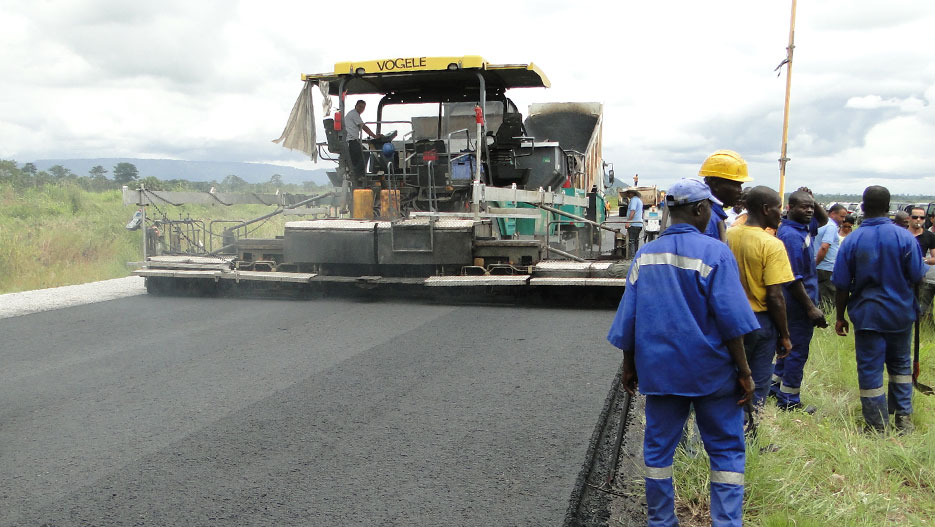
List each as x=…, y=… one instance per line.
x=828, y=241
x=847, y=226
x=901, y=219
x=926, y=241
x=634, y=221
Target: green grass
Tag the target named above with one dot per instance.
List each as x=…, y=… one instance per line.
x=827, y=472
x=58, y=235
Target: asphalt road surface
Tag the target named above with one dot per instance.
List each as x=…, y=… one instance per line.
x=189, y=411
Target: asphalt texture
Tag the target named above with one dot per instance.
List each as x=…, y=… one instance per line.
x=192, y=411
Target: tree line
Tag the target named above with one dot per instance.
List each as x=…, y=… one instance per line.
x=28, y=176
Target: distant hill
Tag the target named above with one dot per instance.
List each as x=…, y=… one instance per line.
x=192, y=170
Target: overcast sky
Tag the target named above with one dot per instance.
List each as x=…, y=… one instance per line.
x=215, y=81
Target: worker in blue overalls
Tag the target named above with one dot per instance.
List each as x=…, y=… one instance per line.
x=876, y=270
x=801, y=295
x=695, y=360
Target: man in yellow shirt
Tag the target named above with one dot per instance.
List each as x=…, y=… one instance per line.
x=764, y=267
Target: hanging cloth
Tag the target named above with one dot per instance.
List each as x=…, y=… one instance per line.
x=325, y=98
x=299, y=133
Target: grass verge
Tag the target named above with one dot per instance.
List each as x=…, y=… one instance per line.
x=57, y=235
x=827, y=471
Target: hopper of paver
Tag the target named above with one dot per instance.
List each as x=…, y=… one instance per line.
x=576, y=127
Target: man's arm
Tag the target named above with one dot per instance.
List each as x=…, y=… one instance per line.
x=931, y=257
x=821, y=215
x=744, y=375
x=841, y=297
x=629, y=380
x=776, y=307
x=366, y=128
x=822, y=252
x=801, y=296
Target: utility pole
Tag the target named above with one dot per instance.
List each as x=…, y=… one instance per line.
x=783, y=158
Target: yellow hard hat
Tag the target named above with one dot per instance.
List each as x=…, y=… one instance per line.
x=725, y=164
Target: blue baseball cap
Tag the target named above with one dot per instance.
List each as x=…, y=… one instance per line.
x=685, y=191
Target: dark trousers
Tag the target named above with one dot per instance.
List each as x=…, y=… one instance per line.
x=760, y=347
x=926, y=294
x=633, y=235
x=874, y=351
x=826, y=289
x=787, y=375
x=355, y=152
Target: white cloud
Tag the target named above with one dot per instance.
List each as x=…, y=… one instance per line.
x=900, y=146
x=896, y=153
x=872, y=102
x=216, y=80
x=861, y=16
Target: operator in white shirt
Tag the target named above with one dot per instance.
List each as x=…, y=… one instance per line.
x=353, y=124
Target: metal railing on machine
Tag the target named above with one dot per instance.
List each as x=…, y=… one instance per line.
x=193, y=233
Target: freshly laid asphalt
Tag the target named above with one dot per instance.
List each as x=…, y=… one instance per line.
x=189, y=411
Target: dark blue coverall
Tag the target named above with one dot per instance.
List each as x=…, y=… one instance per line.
x=684, y=362
x=879, y=263
x=717, y=216
x=787, y=374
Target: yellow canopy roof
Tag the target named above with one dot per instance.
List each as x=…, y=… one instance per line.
x=428, y=73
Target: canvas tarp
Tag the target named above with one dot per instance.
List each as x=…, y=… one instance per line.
x=299, y=133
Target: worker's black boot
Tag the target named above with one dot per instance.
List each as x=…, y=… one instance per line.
x=791, y=407
x=874, y=429
x=903, y=424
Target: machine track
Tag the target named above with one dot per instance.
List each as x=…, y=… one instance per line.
x=604, y=486
x=410, y=289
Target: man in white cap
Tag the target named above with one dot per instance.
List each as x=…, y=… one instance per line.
x=698, y=361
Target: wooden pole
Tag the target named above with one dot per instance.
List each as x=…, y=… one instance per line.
x=783, y=158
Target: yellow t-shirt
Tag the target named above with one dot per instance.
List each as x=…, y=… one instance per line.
x=762, y=260
x=742, y=220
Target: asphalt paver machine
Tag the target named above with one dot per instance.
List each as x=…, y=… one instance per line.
x=457, y=191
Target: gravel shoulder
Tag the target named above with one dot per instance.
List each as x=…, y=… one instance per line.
x=26, y=302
